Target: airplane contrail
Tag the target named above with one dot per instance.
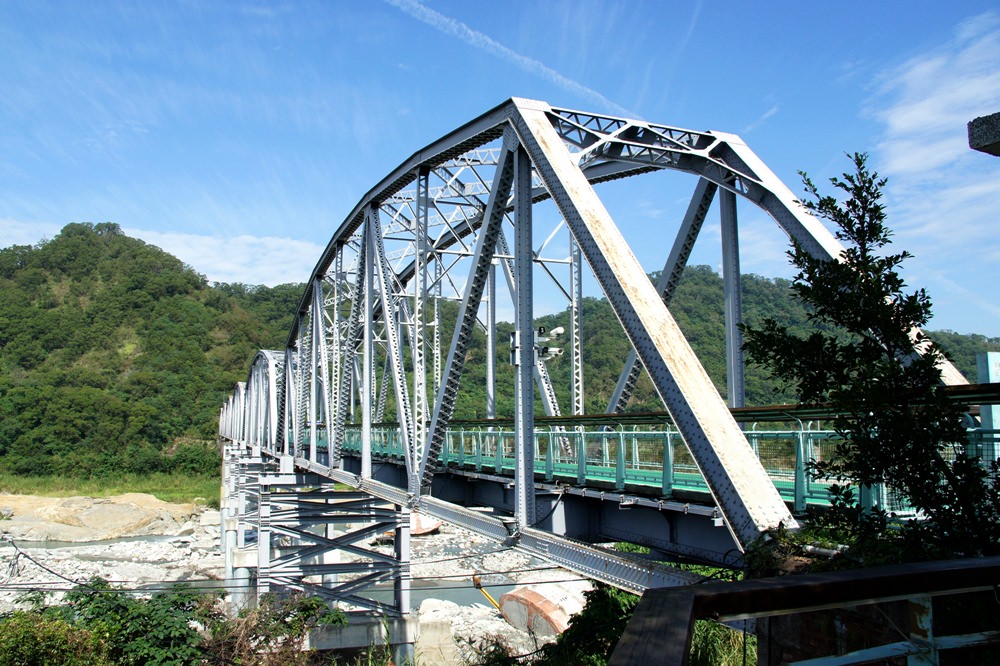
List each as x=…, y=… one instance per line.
x=483, y=42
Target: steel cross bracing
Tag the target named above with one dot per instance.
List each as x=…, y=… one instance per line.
x=298, y=532
x=412, y=269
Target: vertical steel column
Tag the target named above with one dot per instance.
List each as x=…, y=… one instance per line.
x=336, y=342
x=403, y=652
x=394, y=348
x=290, y=411
x=921, y=612
x=438, y=277
x=394, y=344
x=301, y=399
x=367, y=357
x=263, y=541
x=801, y=457
x=241, y=500
x=251, y=423
x=491, y=342
x=312, y=415
x=735, y=384
x=576, y=324
x=241, y=414
x=417, y=342
x=355, y=382
x=524, y=415
x=228, y=497
x=318, y=379
x=326, y=388
x=401, y=583
x=349, y=339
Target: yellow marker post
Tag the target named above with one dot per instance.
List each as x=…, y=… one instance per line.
x=479, y=586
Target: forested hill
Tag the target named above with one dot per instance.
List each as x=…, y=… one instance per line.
x=698, y=306
x=115, y=356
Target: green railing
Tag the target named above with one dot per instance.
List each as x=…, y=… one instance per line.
x=635, y=457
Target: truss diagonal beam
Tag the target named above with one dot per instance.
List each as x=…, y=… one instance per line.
x=482, y=262
x=347, y=350
x=395, y=351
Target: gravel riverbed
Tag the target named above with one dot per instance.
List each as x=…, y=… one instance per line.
x=135, y=541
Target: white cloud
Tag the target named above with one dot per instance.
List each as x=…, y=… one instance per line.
x=16, y=232
x=943, y=197
x=926, y=102
x=267, y=260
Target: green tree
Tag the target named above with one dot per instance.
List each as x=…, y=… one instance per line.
x=100, y=624
x=113, y=354
x=897, y=426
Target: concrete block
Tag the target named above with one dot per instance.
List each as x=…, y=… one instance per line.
x=984, y=134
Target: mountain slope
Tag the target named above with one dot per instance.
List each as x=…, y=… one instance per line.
x=114, y=352
x=115, y=356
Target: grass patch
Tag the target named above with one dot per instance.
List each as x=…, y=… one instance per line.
x=167, y=487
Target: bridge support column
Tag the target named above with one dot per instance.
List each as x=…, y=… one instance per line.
x=227, y=509
x=239, y=474
x=263, y=539
x=317, y=540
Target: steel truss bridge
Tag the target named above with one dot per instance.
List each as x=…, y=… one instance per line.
x=340, y=435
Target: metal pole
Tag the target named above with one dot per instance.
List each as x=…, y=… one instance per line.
x=367, y=263
x=491, y=343
x=418, y=352
x=576, y=324
x=735, y=384
x=525, y=357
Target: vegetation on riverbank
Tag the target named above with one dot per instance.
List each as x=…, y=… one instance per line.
x=98, y=623
x=181, y=488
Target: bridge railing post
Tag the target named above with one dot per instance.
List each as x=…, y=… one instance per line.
x=479, y=450
x=800, y=472
x=498, y=444
x=620, y=461
x=636, y=454
x=667, y=481
x=549, y=462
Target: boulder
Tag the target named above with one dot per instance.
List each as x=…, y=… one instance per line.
x=544, y=609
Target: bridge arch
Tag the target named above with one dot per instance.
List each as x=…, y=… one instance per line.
x=371, y=328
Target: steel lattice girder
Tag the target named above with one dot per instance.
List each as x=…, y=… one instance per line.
x=447, y=213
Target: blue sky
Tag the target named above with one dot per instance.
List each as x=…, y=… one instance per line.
x=237, y=135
